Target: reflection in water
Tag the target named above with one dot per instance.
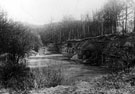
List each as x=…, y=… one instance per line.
x=44, y=62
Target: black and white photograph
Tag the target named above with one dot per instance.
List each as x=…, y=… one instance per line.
x=67, y=46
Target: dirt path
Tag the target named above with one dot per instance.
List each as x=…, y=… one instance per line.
x=73, y=71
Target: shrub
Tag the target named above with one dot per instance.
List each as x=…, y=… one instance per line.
x=16, y=77
x=118, y=55
x=112, y=81
x=47, y=77
x=118, y=83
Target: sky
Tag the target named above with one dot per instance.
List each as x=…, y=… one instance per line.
x=41, y=12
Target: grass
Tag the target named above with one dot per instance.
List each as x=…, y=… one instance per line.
x=16, y=77
x=19, y=78
x=109, y=84
x=52, y=76
x=47, y=77
x=114, y=83
x=120, y=83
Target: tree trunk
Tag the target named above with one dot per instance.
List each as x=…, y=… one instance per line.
x=134, y=21
x=126, y=19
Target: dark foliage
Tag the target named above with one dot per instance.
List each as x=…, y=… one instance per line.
x=117, y=52
x=16, y=41
x=53, y=48
x=92, y=57
x=120, y=53
x=16, y=76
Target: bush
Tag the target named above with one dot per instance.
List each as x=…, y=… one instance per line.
x=47, y=77
x=118, y=55
x=53, y=48
x=16, y=77
x=112, y=81
x=118, y=83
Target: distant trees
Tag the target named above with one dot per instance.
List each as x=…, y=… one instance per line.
x=117, y=16
x=111, y=11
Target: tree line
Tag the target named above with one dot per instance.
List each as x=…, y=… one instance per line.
x=116, y=16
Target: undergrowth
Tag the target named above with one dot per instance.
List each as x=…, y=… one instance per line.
x=47, y=77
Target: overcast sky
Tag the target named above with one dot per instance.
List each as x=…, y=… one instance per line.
x=44, y=11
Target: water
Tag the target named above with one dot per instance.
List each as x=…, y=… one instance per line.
x=47, y=60
x=71, y=70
